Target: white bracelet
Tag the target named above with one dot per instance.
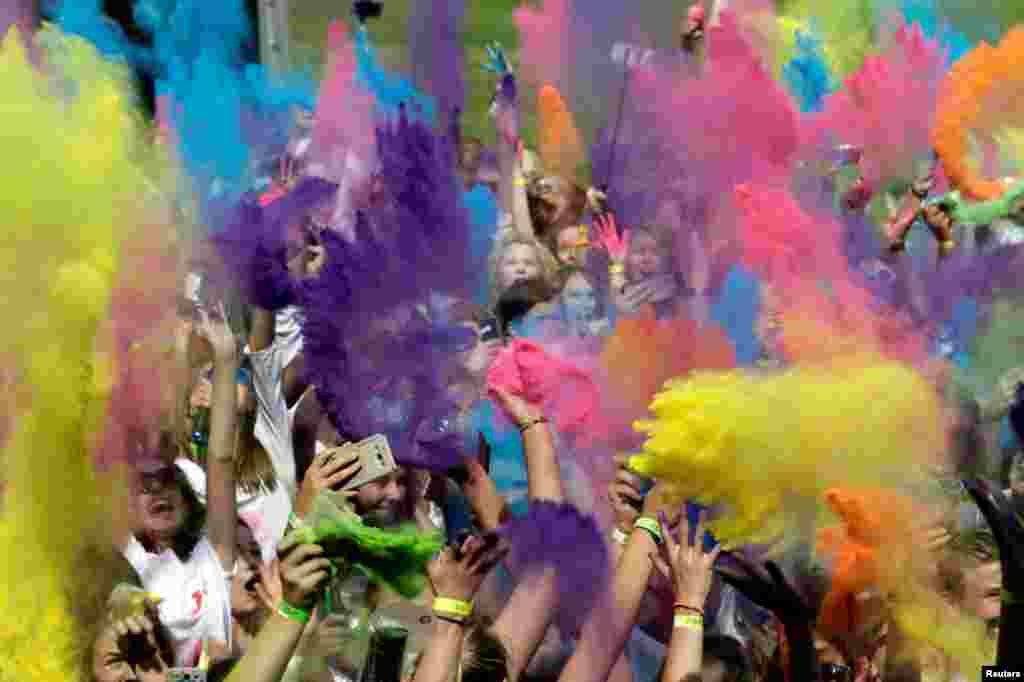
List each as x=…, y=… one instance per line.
x=619, y=536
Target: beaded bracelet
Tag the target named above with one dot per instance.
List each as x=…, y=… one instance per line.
x=530, y=423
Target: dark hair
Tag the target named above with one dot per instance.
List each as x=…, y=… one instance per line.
x=485, y=658
x=195, y=519
x=220, y=670
x=730, y=652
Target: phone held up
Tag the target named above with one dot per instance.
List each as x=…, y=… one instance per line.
x=375, y=459
x=186, y=675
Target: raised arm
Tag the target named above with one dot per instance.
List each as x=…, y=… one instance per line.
x=304, y=571
x=221, y=515
x=690, y=569
x=603, y=639
x=532, y=607
x=455, y=575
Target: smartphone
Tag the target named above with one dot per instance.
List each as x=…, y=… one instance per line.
x=186, y=675
x=490, y=330
x=375, y=458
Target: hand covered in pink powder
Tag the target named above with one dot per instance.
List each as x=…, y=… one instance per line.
x=607, y=232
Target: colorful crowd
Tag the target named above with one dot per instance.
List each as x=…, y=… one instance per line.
x=716, y=376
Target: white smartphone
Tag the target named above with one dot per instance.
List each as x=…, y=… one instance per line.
x=376, y=459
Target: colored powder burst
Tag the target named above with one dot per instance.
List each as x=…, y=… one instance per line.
x=887, y=106
x=390, y=90
x=70, y=204
x=766, y=447
x=736, y=310
x=436, y=52
x=797, y=253
x=344, y=112
x=706, y=135
x=482, y=207
x=980, y=97
x=999, y=347
x=560, y=146
x=847, y=27
x=544, y=44
x=925, y=14
x=197, y=60
x=807, y=74
x=870, y=549
x=643, y=354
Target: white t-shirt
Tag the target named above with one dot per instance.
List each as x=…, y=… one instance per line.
x=196, y=596
x=266, y=512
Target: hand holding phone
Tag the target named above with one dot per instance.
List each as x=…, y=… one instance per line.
x=375, y=461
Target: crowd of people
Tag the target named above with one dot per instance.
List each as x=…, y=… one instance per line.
x=431, y=406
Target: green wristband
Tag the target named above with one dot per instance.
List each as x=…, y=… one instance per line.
x=651, y=526
x=293, y=613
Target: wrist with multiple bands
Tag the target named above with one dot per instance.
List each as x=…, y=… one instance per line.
x=293, y=613
x=453, y=610
x=528, y=424
x=651, y=526
x=681, y=606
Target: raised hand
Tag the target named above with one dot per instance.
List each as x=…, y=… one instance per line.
x=330, y=470
x=608, y=237
x=496, y=62
x=304, y=572
x=686, y=563
x=213, y=327
x=459, y=570
x=625, y=494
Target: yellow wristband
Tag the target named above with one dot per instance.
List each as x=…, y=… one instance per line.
x=616, y=269
x=651, y=526
x=690, y=621
x=453, y=608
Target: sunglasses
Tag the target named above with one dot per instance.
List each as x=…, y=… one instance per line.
x=833, y=672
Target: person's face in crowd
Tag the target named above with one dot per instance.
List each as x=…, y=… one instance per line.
x=982, y=590
x=935, y=215
x=645, y=258
x=519, y=263
x=579, y=299
x=555, y=206
x=381, y=503
x=108, y=664
x=244, y=598
x=570, y=251
x=159, y=500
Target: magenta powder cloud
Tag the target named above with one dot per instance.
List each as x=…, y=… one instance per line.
x=888, y=106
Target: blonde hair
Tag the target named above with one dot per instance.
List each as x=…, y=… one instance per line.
x=505, y=240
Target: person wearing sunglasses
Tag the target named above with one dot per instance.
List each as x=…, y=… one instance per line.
x=185, y=554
